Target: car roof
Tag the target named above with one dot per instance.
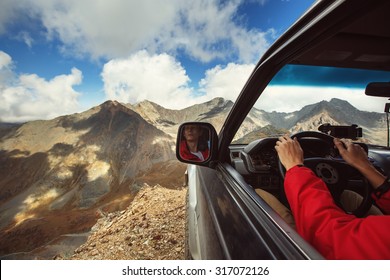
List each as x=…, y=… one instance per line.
x=353, y=34
x=340, y=33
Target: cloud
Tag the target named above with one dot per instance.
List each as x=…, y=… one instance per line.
x=26, y=38
x=205, y=30
x=7, y=14
x=226, y=82
x=141, y=76
x=158, y=78
x=6, y=73
x=162, y=79
x=5, y=60
x=30, y=97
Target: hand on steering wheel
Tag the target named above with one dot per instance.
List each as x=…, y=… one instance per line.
x=335, y=172
x=291, y=154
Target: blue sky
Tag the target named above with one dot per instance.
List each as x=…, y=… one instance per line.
x=62, y=57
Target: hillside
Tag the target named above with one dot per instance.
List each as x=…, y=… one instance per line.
x=80, y=178
x=310, y=117
x=213, y=111
x=71, y=167
x=152, y=228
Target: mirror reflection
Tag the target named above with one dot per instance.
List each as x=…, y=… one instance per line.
x=194, y=142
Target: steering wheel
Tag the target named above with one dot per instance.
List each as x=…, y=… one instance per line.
x=336, y=173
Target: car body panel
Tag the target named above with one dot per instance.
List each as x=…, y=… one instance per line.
x=227, y=219
x=226, y=213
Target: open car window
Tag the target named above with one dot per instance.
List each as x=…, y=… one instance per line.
x=302, y=98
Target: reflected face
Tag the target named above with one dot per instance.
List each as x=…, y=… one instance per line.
x=191, y=132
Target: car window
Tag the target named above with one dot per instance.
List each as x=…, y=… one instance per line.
x=301, y=98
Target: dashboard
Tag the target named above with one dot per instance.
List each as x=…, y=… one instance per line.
x=258, y=161
x=260, y=156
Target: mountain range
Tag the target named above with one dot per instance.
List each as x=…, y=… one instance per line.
x=58, y=176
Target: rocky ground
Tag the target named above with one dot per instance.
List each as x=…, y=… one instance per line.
x=151, y=228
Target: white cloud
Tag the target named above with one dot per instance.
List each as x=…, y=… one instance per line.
x=225, y=82
x=161, y=79
x=142, y=76
x=26, y=38
x=5, y=60
x=158, y=78
x=292, y=98
x=30, y=97
x=6, y=73
x=204, y=29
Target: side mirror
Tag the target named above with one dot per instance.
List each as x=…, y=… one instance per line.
x=381, y=89
x=197, y=143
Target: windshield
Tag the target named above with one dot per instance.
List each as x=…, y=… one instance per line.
x=302, y=98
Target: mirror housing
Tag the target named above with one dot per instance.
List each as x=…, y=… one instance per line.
x=381, y=89
x=197, y=143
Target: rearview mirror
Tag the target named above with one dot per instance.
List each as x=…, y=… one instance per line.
x=381, y=89
x=196, y=143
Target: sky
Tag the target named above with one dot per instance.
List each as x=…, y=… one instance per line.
x=62, y=57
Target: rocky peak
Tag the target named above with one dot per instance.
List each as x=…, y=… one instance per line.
x=341, y=104
x=154, y=113
x=114, y=106
x=148, y=104
x=219, y=102
x=109, y=103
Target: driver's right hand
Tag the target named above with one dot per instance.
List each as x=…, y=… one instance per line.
x=352, y=153
x=356, y=156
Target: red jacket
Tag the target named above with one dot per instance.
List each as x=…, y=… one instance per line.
x=335, y=234
x=186, y=154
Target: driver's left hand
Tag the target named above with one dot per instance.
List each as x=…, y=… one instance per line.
x=289, y=151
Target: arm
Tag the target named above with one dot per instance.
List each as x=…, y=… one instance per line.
x=289, y=151
x=384, y=202
x=355, y=156
x=335, y=234
x=320, y=221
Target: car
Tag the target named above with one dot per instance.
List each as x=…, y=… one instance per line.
x=326, y=76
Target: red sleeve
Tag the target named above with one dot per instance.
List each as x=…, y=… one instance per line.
x=335, y=234
x=384, y=202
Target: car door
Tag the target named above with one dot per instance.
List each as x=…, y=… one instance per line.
x=228, y=220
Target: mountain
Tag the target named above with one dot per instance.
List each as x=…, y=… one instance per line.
x=213, y=111
x=310, y=117
x=340, y=112
x=262, y=132
x=56, y=174
x=58, y=177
